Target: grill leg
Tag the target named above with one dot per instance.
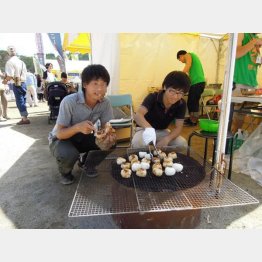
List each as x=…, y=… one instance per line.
x=214, y=151
x=205, y=153
x=189, y=144
x=230, y=159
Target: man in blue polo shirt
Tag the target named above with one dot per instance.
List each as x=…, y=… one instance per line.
x=75, y=125
x=161, y=108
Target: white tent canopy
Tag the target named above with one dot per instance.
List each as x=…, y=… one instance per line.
x=138, y=61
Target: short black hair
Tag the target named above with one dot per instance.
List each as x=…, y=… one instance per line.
x=177, y=80
x=63, y=75
x=94, y=72
x=181, y=52
x=47, y=65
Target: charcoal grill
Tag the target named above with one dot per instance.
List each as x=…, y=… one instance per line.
x=195, y=188
x=192, y=174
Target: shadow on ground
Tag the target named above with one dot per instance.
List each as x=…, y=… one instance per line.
x=32, y=197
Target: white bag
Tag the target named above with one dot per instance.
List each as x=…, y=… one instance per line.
x=248, y=158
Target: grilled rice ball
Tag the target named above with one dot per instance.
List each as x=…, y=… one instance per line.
x=120, y=160
x=132, y=157
x=126, y=165
x=173, y=155
x=141, y=172
x=158, y=171
x=126, y=173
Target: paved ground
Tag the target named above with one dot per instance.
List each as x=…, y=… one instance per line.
x=32, y=197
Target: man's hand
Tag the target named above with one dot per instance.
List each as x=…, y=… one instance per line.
x=149, y=135
x=106, y=137
x=85, y=127
x=163, y=142
x=106, y=142
x=258, y=42
x=4, y=81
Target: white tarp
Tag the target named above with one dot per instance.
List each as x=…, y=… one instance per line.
x=248, y=158
x=145, y=59
x=105, y=51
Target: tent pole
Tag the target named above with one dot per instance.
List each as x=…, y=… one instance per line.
x=218, y=58
x=226, y=98
x=91, y=46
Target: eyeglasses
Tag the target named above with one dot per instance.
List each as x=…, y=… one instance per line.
x=175, y=92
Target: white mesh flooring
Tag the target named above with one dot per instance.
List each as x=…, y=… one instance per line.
x=104, y=195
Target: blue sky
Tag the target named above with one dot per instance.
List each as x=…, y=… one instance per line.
x=25, y=43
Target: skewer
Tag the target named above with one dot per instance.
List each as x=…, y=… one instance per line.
x=152, y=144
x=149, y=149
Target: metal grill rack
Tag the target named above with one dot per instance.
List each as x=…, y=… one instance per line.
x=107, y=195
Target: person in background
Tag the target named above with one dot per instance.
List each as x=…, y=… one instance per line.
x=69, y=86
x=40, y=89
x=161, y=108
x=31, y=85
x=48, y=77
x=64, y=78
x=3, y=108
x=193, y=67
x=245, y=74
x=74, y=131
x=16, y=71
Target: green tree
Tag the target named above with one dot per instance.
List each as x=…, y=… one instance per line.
x=3, y=59
x=27, y=60
x=50, y=56
x=83, y=56
x=29, y=63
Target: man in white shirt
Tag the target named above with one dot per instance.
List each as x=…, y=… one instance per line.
x=16, y=73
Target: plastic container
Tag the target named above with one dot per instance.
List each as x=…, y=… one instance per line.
x=248, y=91
x=208, y=125
x=239, y=138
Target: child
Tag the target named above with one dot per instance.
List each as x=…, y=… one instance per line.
x=40, y=89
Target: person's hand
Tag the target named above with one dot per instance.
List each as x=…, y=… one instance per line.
x=4, y=82
x=149, y=135
x=163, y=142
x=86, y=127
x=258, y=42
x=106, y=137
x=106, y=142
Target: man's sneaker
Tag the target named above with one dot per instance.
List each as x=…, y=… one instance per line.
x=82, y=160
x=23, y=122
x=67, y=179
x=86, y=171
x=189, y=123
x=186, y=121
x=89, y=171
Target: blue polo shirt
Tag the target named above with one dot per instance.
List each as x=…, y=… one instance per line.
x=73, y=110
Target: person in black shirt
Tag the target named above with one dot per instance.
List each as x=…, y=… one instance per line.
x=161, y=108
x=69, y=85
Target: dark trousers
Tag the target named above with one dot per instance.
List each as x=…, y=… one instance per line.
x=66, y=152
x=194, y=95
x=40, y=96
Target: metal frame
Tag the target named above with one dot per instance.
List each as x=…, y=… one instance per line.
x=104, y=195
x=119, y=101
